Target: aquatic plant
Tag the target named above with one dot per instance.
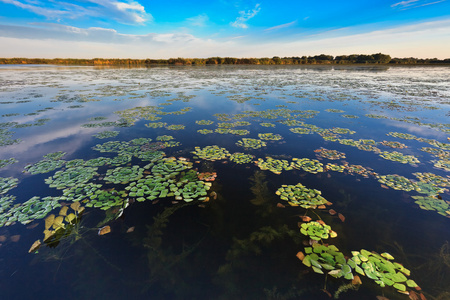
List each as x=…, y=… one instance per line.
x=317, y=230
x=383, y=270
x=6, y=162
x=339, y=130
x=299, y=195
x=106, y=199
x=97, y=162
x=274, y=165
x=432, y=178
x=32, y=209
x=434, y=204
x=75, y=163
x=5, y=202
x=175, y=127
x=119, y=160
x=300, y=130
x=80, y=192
x=205, y=131
x=106, y=134
x=350, y=116
x=156, y=125
x=150, y=188
x=308, y=165
x=329, y=154
x=123, y=175
x=7, y=183
x=399, y=157
x=334, y=167
x=164, y=138
x=44, y=166
x=405, y=136
x=397, y=182
x=267, y=124
x=211, y=153
x=251, y=143
x=239, y=131
x=269, y=136
x=241, y=158
x=392, y=144
x=442, y=164
x=206, y=176
x=71, y=177
x=204, y=122
x=151, y=156
x=193, y=190
x=333, y=110
x=170, y=167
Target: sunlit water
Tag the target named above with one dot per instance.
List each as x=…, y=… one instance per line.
x=243, y=242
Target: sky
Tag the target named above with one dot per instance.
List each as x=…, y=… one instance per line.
x=237, y=28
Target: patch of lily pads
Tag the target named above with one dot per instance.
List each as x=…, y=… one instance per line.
x=170, y=167
x=106, y=134
x=6, y=162
x=204, y=122
x=299, y=195
x=317, y=230
x=71, y=177
x=269, y=136
x=433, y=203
x=308, y=165
x=30, y=210
x=122, y=175
x=7, y=184
x=274, y=165
x=241, y=158
x=249, y=143
x=211, y=153
x=397, y=182
x=399, y=157
x=330, y=154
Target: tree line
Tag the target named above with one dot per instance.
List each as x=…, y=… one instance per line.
x=321, y=59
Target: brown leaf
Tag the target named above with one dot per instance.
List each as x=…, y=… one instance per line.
x=49, y=221
x=280, y=205
x=321, y=206
x=2, y=238
x=384, y=186
x=341, y=216
x=382, y=298
x=332, y=212
x=300, y=255
x=356, y=280
x=305, y=218
x=131, y=229
x=321, y=222
x=35, y=246
x=15, y=238
x=32, y=226
x=104, y=230
x=422, y=297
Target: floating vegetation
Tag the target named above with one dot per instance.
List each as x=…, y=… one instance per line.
x=326, y=258
x=395, y=145
x=382, y=270
x=339, y=130
x=274, y=165
x=211, y=153
x=241, y=158
x=300, y=130
x=150, y=188
x=292, y=123
x=106, y=199
x=248, y=143
x=333, y=110
x=33, y=209
x=350, y=116
x=405, y=136
x=7, y=184
x=71, y=177
x=44, y=166
x=329, y=154
x=270, y=136
x=442, y=164
x=267, y=124
x=106, y=134
x=397, y=182
x=97, y=162
x=175, y=127
x=156, y=125
x=61, y=226
x=204, y=122
x=434, y=204
x=5, y=202
x=299, y=195
x=335, y=168
x=205, y=131
x=399, y=157
x=317, y=230
x=433, y=179
x=308, y=165
x=6, y=162
x=80, y=192
x=360, y=170
x=170, y=167
x=193, y=190
x=122, y=175
x=119, y=160
x=5, y=138
x=373, y=116
x=164, y=138
x=207, y=176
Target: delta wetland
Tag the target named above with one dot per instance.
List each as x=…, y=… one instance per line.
x=225, y=182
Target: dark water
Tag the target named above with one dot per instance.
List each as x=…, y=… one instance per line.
x=241, y=245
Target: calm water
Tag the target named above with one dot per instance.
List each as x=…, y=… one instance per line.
x=242, y=242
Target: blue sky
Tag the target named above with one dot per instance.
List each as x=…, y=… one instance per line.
x=199, y=28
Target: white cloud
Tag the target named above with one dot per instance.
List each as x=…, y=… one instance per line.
x=199, y=21
x=281, y=26
x=123, y=12
x=422, y=40
x=408, y=4
x=245, y=16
